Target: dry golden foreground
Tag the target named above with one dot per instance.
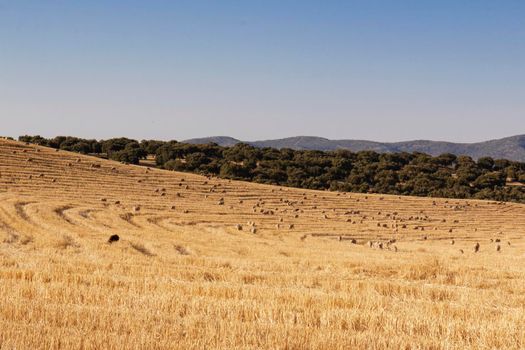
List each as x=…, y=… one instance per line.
x=209, y=263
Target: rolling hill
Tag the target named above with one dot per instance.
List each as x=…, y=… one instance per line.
x=212, y=263
x=512, y=148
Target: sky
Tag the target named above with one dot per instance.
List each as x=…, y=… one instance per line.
x=383, y=70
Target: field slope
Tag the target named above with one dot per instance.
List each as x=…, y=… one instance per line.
x=210, y=263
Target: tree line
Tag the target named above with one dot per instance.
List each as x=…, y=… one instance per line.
x=416, y=174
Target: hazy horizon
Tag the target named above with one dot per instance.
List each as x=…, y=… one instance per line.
x=382, y=71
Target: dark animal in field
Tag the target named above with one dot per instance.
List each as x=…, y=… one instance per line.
x=113, y=238
x=476, y=248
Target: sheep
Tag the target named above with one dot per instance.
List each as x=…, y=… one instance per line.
x=452, y=242
x=498, y=248
x=476, y=247
x=238, y=227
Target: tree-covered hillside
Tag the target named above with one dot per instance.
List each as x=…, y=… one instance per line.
x=403, y=173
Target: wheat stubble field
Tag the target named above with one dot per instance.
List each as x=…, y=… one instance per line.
x=209, y=263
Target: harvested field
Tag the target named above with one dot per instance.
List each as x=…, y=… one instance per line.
x=210, y=263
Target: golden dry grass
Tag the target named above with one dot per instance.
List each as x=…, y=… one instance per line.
x=184, y=275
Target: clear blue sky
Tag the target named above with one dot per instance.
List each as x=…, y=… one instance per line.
x=386, y=70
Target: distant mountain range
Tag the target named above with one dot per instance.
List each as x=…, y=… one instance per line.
x=512, y=148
